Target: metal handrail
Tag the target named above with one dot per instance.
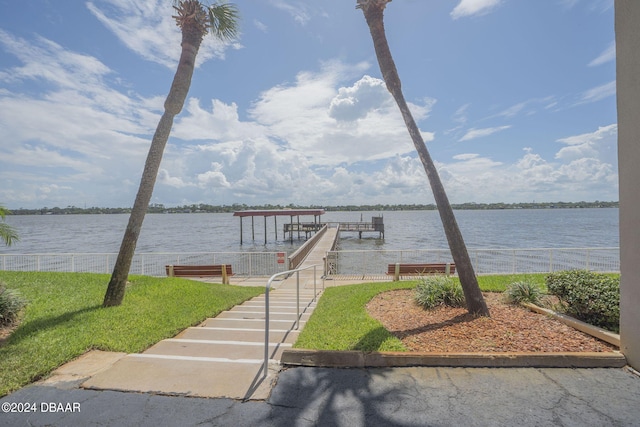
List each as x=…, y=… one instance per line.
x=266, y=306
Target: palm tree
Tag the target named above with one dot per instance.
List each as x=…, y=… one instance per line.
x=194, y=20
x=7, y=233
x=374, y=15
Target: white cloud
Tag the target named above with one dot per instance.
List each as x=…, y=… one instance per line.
x=261, y=26
x=597, y=6
x=355, y=102
x=460, y=116
x=45, y=60
x=601, y=144
x=480, y=133
x=299, y=11
x=607, y=56
x=528, y=107
x=303, y=116
x=598, y=93
x=474, y=7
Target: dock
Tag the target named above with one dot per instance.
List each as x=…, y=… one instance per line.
x=275, y=213
x=306, y=228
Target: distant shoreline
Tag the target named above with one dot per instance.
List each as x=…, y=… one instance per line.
x=204, y=208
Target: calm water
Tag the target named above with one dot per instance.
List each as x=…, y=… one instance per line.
x=536, y=228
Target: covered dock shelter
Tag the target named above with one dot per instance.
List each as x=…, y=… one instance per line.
x=275, y=213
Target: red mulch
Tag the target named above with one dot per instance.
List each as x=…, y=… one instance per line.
x=447, y=329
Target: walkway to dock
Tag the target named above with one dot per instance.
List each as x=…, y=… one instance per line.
x=223, y=356
x=314, y=258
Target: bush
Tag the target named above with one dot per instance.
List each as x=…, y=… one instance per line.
x=11, y=303
x=432, y=291
x=591, y=297
x=524, y=291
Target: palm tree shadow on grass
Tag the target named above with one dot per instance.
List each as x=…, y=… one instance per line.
x=375, y=338
x=29, y=328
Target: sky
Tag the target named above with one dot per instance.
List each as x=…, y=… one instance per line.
x=515, y=101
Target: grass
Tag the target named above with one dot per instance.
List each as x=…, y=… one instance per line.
x=499, y=283
x=64, y=318
x=341, y=322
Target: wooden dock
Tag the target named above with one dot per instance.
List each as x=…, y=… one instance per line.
x=307, y=228
x=376, y=226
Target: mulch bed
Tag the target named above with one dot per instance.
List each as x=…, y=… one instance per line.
x=447, y=329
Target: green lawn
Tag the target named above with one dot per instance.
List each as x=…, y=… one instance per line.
x=340, y=320
x=64, y=318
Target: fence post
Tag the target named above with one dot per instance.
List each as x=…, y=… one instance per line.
x=588, y=253
x=396, y=273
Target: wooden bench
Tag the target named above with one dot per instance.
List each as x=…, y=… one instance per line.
x=396, y=270
x=220, y=270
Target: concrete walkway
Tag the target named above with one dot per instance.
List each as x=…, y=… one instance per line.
x=223, y=356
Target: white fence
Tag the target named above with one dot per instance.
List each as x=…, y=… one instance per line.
x=369, y=264
x=485, y=261
x=151, y=264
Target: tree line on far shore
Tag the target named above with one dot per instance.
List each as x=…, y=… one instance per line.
x=206, y=208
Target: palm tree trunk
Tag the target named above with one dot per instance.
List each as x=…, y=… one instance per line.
x=173, y=105
x=374, y=15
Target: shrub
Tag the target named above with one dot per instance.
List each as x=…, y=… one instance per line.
x=591, y=297
x=11, y=303
x=522, y=291
x=432, y=291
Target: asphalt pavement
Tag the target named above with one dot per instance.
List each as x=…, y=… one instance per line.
x=414, y=396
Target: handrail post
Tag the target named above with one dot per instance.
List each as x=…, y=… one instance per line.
x=266, y=309
x=297, y=299
x=266, y=328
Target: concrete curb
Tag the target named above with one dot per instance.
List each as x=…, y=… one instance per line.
x=360, y=359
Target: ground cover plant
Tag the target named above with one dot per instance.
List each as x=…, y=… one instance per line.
x=11, y=305
x=340, y=320
x=432, y=291
x=523, y=292
x=64, y=318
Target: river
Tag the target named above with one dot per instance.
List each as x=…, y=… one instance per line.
x=201, y=232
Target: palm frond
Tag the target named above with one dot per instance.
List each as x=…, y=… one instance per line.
x=223, y=20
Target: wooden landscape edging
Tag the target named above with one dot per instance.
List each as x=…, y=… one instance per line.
x=360, y=359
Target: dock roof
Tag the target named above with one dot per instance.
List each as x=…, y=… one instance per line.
x=280, y=212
